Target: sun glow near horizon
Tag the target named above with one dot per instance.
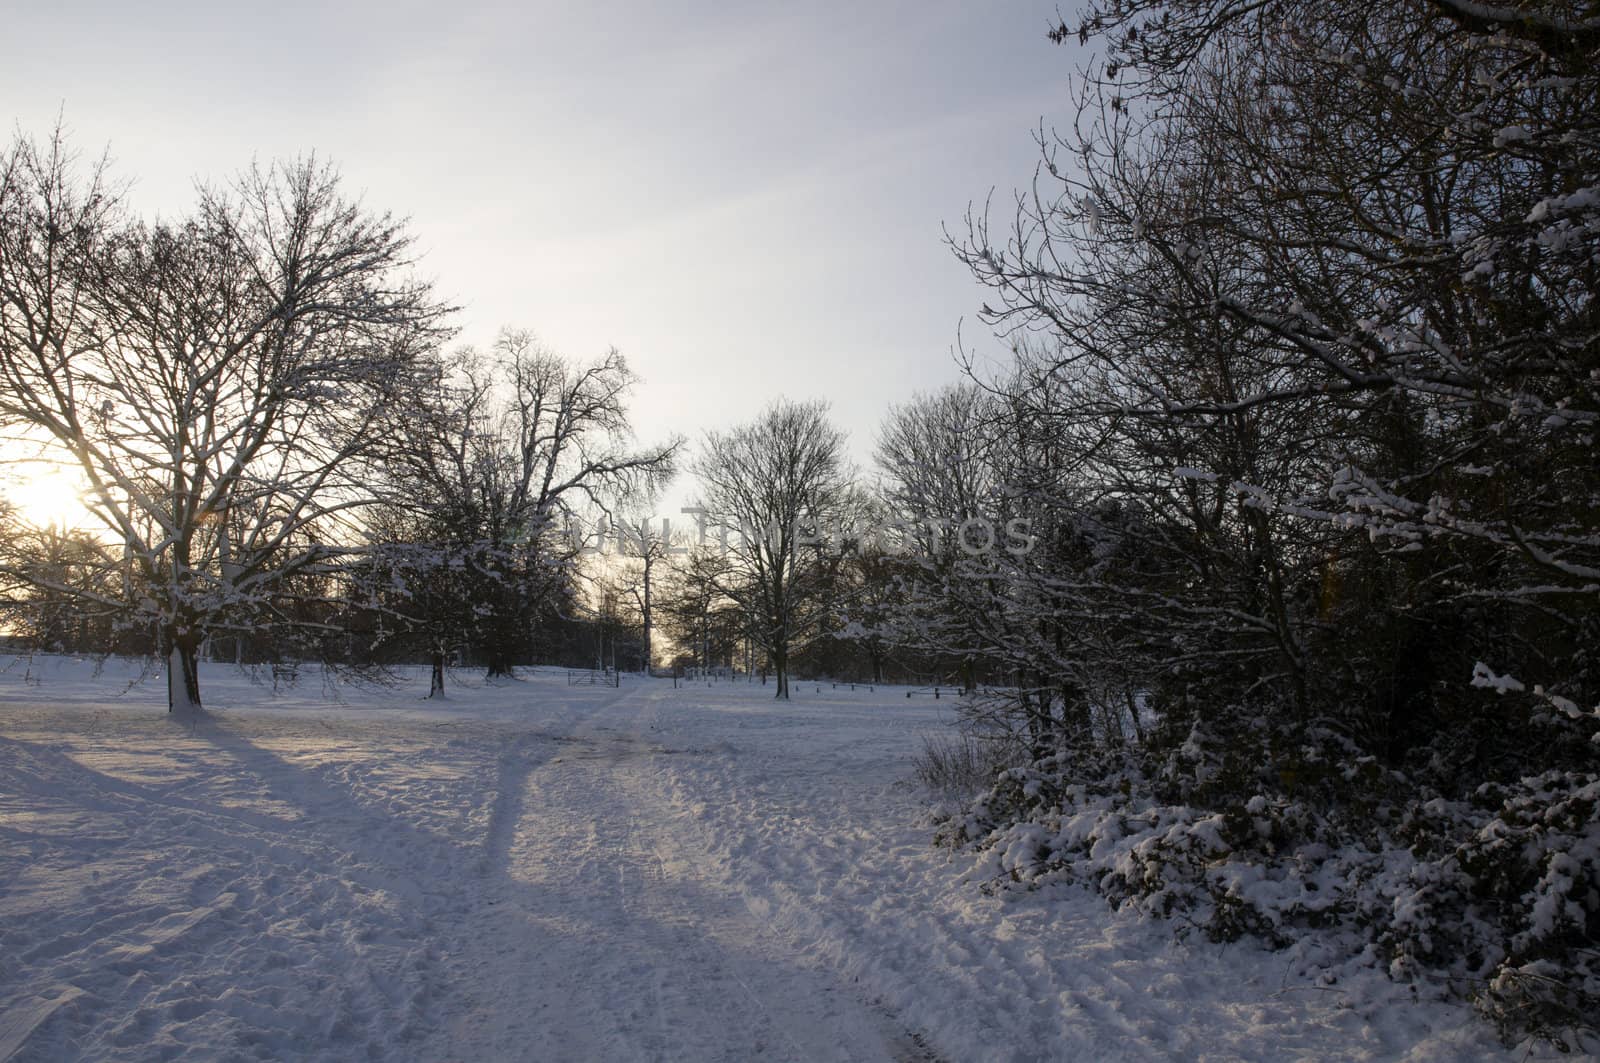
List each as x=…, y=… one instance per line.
x=45, y=494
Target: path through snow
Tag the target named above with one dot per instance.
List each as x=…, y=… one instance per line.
x=600, y=935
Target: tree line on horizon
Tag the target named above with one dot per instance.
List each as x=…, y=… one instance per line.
x=287, y=461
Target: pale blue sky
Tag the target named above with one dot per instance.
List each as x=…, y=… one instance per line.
x=747, y=200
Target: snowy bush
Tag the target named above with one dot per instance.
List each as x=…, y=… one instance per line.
x=1538, y=861
x=1496, y=898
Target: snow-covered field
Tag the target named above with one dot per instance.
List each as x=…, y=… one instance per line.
x=541, y=872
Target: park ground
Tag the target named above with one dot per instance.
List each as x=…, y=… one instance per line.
x=544, y=871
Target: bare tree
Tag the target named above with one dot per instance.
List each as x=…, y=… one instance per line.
x=647, y=549
x=495, y=461
x=771, y=489
x=704, y=623
x=48, y=574
x=216, y=379
x=1318, y=282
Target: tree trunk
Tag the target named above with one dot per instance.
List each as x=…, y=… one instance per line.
x=183, y=672
x=500, y=660
x=648, y=657
x=436, y=681
x=1036, y=710
x=1077, y=721
x=780, y=668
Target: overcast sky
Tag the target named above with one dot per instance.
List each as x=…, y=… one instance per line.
x=746, y=200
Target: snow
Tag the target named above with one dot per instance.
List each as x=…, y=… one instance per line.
x=536, y=871
x=1483, y=676
x=1511, y=134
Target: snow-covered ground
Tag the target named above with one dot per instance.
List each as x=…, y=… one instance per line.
x=541, y=872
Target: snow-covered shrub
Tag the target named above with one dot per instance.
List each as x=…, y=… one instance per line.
x=1538, y=860
x=1496, y=898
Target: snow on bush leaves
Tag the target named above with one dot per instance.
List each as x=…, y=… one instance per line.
x=1497, y=898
